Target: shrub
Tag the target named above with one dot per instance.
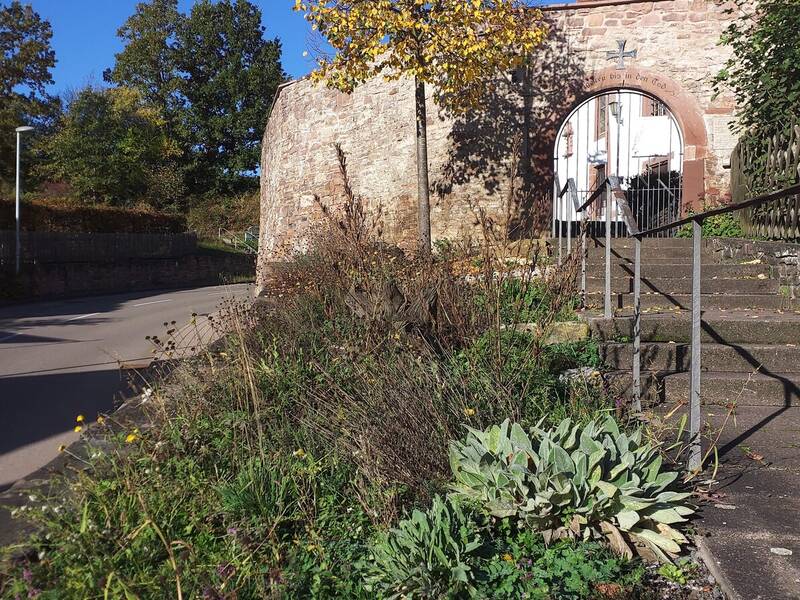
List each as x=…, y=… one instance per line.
x=431, y=554
x=726, y=225
x=52, y=215
x=585, y=482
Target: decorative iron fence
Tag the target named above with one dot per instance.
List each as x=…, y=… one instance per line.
x=762, y=165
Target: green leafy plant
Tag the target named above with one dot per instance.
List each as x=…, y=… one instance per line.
x=726, y=225
x=522, y=566
x=429, y=555
x=763, y=72
x=679, y=572
x=573, y=481
x=263, y=492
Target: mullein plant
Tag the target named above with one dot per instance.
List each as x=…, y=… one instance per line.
x=575, y=481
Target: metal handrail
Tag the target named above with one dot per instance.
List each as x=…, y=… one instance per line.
x=695, y=450
x=595, y=195
x=612, y=187
x=238, y=242
x=728, y=208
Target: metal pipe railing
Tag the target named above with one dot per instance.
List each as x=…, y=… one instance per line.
x=696, y=220
x=572, y=189
x=615, y=196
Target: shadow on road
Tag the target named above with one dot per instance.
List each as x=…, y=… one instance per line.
x=55, y=399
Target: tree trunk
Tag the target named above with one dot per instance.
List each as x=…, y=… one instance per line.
x=423, y=186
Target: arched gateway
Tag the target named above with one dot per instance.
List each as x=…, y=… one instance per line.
x=659, y=56
x=626, y=134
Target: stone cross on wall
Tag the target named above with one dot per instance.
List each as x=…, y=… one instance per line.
x=620, y=54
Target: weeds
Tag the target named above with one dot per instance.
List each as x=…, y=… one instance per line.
x=276, y=457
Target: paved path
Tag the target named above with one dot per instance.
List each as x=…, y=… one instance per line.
x=60, y=359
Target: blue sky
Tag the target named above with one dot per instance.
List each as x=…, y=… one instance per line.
x=85, y=36
x=85, y=40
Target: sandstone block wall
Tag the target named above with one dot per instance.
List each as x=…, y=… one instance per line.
x=677, y=55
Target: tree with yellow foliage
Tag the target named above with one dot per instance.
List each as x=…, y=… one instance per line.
x=458, y=46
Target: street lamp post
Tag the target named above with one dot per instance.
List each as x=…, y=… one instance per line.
x=20, y=131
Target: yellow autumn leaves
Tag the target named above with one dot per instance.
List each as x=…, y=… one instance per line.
x=457, y=45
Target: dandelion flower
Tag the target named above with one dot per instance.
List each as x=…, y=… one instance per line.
x=469, y=412
x=101, y=419
x=61, y=448
x=80, y=419
x=130, y=438
x=507, y=557
x=299, y=453
x=77, y=429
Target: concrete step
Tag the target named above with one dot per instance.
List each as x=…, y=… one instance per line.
x=743, y=389
x=678, y=270
x=716, y=389
x=758, y=327
x=675, y=285
x=745, y=436
x=650, y=254
x=717, y=358
x=624, y=243
x=655, y=301
x=754, y=510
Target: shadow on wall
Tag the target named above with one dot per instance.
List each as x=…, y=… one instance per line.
x=521, y=114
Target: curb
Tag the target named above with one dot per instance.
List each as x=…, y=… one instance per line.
x=707, y=556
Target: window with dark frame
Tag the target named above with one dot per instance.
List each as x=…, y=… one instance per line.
x=653, y=108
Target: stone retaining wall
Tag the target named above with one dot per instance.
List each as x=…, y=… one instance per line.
x=82, y=278
x=783, y=256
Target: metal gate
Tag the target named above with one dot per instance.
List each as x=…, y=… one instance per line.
x=627, y=135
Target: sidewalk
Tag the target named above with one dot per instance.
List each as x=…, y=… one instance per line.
x=753, y=520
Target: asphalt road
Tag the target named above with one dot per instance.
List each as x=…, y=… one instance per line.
x=64, y=358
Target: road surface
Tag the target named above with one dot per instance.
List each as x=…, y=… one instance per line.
x=62, y=358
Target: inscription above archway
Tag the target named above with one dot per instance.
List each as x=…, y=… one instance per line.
x=632, y=77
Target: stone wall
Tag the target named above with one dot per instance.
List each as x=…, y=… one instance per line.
x=783, y=257
x=676, y=42
x=52, y=246
x=62, y=280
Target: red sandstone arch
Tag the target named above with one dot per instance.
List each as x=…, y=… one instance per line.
x=684, y=107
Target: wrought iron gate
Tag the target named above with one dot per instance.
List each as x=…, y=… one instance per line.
x=632, y=137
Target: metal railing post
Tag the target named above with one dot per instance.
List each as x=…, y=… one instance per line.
x=581, y=214
x=556, y=192
x=583, y=259
x=637, y=324
x=559, y=225
x=569, y=231
x=607, y=301
x=695, y=458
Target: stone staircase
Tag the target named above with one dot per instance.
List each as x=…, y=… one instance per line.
x=750, y=392
x=667, y=278
x=750, y=330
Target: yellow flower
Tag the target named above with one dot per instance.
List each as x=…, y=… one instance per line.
x=101, y=419
x=469, y=411
x=61, y=448
x=507, y=557
x=77, y=429
x=130, y=438
x=80, y=419
x=299, y=453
